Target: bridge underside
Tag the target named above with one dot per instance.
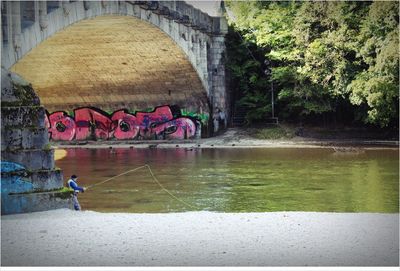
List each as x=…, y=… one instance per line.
x=112, y=63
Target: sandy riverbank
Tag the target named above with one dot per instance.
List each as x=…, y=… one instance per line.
x=234, y=138
x=68, y=238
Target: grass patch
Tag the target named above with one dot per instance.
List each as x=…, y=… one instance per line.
x=55, y=190
x=275, y=132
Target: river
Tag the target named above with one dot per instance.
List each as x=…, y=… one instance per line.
x=237, y=179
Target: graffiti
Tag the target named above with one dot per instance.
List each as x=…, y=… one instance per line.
x=125, y=125
x=61, y=126
x=89, y=123
x=12, y=182
x=175, y=129
x=92, y=123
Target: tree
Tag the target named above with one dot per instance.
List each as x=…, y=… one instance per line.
x=377, y=85
x=326, y=56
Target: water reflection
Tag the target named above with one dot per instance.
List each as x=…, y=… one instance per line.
x=237, y=180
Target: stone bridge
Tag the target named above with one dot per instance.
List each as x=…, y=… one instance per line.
x=118, y=56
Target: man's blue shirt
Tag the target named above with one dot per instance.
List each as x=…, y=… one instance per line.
x=74, y=185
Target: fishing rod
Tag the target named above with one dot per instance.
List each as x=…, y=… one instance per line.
x=154, y=178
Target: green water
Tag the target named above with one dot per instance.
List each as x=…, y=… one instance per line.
x=238, y=180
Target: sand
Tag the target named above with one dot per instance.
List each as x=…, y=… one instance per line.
x=68, y=238
x=231, y=138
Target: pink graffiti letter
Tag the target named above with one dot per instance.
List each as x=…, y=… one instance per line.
x=62, y=126
x=124, y=125
x=90, y=122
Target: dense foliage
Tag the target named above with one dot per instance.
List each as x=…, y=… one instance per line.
x=337, y=59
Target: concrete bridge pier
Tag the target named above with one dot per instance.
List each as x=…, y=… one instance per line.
x=219, y=97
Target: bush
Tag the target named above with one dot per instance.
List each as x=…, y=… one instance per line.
x=277, y=132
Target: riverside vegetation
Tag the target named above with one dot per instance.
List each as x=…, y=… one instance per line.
x=329, y=62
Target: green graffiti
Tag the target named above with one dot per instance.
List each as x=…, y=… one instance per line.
x=203, y=117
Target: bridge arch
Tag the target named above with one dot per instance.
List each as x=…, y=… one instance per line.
x=29, y=27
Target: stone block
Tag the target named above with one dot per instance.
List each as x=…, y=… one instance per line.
x=11, y=139
x=35, y=202
x=5, y=80
x=47, y=179
x=15, y=91
x=40, y=180
x=23, y=116
x=31, y=159
x=34, y=138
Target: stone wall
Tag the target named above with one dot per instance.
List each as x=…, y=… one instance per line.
x=29, y=179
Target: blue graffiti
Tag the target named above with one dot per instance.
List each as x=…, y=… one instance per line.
x=10, y=166
x=12, y=182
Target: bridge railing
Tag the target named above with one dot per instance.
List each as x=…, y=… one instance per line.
x=185, y=13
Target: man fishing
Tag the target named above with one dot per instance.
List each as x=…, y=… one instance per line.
x=72, y=184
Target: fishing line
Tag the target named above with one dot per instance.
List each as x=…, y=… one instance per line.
x=109, y=179
x=154, y=178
